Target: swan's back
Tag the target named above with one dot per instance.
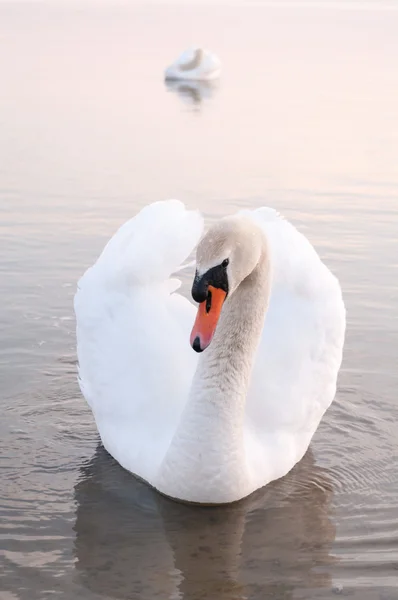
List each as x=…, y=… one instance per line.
x=195, y=64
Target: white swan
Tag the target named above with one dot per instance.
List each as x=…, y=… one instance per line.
x=210, y=427
x=195, y=64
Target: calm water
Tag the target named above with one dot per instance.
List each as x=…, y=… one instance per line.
x=305, y=119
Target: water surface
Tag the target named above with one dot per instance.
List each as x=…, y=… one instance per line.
x=305, y=119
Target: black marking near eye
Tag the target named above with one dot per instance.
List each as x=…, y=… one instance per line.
x=216, y=277
x=225, y=263
x=208, y=301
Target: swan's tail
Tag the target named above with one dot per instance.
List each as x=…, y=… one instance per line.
x=148, y=248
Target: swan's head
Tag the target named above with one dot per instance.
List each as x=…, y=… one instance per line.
x=225, y=256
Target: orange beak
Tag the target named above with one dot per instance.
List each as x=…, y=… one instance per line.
x=207, y=318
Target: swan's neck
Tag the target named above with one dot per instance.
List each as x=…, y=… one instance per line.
x=209, y=438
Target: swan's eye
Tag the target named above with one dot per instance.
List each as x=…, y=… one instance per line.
x=225, y=263
x=208, y=301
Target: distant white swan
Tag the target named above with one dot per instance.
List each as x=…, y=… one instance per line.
x=195, y=64
x=210, y=427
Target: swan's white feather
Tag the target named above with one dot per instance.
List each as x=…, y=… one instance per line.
x=136, y=364
x=135, y=361
x=295, y=371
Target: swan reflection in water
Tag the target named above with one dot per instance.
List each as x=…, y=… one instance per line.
x=192, y=93
x=131, y=542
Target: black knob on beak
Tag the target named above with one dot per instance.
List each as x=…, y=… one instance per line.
x=196, y=345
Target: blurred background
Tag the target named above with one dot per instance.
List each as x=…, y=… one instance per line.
x=303, y=119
